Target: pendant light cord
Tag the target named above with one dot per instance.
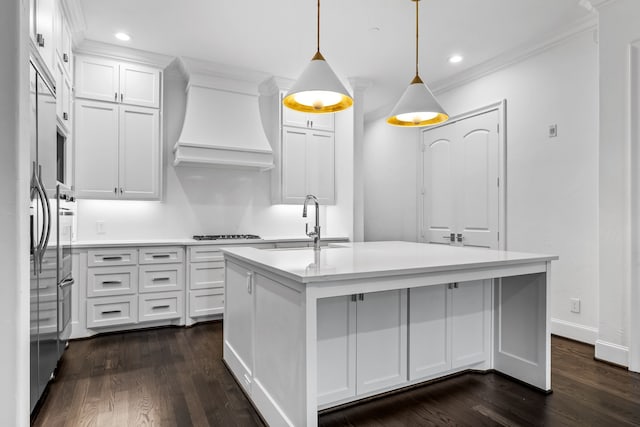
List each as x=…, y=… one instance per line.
x=416, y=34
x=318, y=29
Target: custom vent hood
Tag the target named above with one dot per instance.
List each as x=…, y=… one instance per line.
x=222, y=122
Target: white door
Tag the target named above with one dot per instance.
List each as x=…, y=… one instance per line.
x=461, y=191
x=139, y=171
x=96, y=138
x=320, y=163
x=97, y=78
x=381, y=323
x=429, y=331
x=294, y=155
x=139, y=85
x=336, y=349
x=470, y=318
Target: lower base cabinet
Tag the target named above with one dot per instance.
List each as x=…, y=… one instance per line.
x=362, y=344
x=379, y=341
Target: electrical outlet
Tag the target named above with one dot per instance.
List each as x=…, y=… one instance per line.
x=575, y=305
x=553, y=131
x=100, y=227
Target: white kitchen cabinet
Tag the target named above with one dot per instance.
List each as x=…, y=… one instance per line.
x=449, y=327
x=307, y=165
x=336, y=349
x=139, y=149
x=367, y=331
x=63, y=97
x=117, y=151
x=308, y=121
x=96, y=162
x=41, y=17
x=63, y=39
x=105, y=79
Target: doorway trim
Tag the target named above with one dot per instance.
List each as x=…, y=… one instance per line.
x=634, y=144
x=501, y=107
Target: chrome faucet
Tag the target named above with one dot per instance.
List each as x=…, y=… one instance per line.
x=315, y=233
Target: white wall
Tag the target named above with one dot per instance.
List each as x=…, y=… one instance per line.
x=14, y=191
x=618, y=28
x=212, y=200
x=552, y=184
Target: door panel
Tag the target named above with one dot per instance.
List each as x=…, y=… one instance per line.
x=96, y=149
x=139, y=152
x=381, y=349
x=320, y=163
x=439, y=186
x=294, y=148
x=478, y=186
x=468, y=323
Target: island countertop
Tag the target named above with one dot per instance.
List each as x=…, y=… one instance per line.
x=377, y=259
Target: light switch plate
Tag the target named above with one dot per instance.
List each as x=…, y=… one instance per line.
x=575, y=305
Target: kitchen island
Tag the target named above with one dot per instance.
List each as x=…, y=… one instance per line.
x=306, y=330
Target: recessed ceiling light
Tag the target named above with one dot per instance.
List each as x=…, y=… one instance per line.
x=454, y=59
x=123, y=36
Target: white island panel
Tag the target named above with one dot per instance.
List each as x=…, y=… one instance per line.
x=310, y=353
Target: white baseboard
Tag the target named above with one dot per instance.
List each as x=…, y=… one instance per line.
x=574, y=331
x=613, y=353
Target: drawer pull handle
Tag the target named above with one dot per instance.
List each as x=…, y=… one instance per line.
x=112, y=312
x=160, y=279
x=112, y=282
x=112, y=258
x=160, y=307
x=160, y=256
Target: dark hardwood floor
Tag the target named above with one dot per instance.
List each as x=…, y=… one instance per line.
x=175, y=377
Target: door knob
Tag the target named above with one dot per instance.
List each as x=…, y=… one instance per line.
x=451, y=237
x=459, y=237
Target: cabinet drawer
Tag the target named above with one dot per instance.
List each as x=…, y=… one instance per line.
x=109, y=311
x=158, y=278
x=205, y=253
x=158, y=306
x=161, y=255
x=206, y=275
x=205, y=302
x=102, y=281
x=106, y=257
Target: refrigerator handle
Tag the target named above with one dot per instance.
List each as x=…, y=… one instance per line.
x=47, y=214
x=33, y=193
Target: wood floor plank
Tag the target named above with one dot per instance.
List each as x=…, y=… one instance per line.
x=175, y=377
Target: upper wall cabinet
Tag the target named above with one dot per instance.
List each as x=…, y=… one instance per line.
x=63, y=40
x=41, y=15
x=309, y=121
x=103, y=79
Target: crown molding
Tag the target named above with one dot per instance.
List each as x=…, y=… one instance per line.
x=92, y=47
x=274, y=85
x=360, y=84
x=514, y=56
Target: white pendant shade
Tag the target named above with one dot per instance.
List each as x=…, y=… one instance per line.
x=417, y=107
x=318, y=90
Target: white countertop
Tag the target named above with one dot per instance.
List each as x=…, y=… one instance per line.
x=375, y=259
x=191, y=242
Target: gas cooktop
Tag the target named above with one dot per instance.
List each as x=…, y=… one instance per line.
x=225, y=237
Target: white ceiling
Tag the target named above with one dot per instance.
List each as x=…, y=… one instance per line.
x=278, y=36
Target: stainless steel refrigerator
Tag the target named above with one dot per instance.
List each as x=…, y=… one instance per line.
x=44, y=289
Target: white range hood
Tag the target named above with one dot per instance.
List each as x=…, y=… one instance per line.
x=222, y=123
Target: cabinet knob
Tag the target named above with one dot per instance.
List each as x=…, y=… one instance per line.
x=65, y=116
x=121, y=97
x=115, y=96
x=40, y=40
x=65, y=57
x=115, y=190
x=121, y=190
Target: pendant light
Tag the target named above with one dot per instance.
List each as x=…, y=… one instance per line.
x=318, y=90
x=417, y=106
